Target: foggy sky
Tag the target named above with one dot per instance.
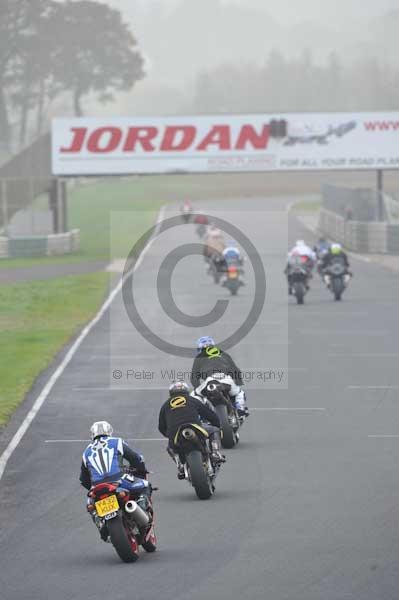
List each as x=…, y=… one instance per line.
x=285, y=11
x=181, y=38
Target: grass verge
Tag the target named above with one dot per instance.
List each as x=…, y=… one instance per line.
x=311, y=206
x=36, y=320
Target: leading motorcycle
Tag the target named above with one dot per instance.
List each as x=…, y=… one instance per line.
x=124, y=517
x=336, y=278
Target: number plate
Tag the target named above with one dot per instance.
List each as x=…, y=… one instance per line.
x=107, y=506
x=233, y=275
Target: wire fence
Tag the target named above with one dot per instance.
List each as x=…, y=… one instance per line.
x=353, y=204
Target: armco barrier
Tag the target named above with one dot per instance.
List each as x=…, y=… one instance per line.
x=3, y=247
x=45, y=245
x=393, y=239
x=365, y=237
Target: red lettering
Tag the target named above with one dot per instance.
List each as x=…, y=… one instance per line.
x=178, y=138
x=219, y=135
x=140, y=135
x=79, y=135
x=381, y=125
x=112, y=136
x=248, y=135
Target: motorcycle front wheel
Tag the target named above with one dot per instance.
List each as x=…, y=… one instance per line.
x=337, y=288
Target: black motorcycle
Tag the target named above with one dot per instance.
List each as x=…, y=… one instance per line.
x=215, y=267
x=218, y=395
x=336, y=278
x=232, y=280
x=201, y=230
x=298, y=275
x=193, y=445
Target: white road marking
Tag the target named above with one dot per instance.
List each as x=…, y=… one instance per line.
x=351, y=332
x=5, y=457
x=373, y=387
x=319, y=313
x=87, y=441
x=363, y=355
x=120, y=388
x=380, y=435
x=288, y=408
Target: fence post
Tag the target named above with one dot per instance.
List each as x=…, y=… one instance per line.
x=4, y=206
x=64, y=200
x=380, y=194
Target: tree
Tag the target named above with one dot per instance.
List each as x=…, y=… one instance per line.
x=32, y=82
x=12, y=24
x=96, y=51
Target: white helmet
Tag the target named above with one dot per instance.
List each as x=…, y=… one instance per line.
x=100, y=428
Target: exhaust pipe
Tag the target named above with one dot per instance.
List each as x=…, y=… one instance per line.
x=188, y=434
x=137, y=513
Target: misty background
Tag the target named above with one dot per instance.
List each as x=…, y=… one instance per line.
x=214, y=55
x=193, y=57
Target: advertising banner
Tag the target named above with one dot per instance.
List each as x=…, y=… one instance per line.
x=234, y=143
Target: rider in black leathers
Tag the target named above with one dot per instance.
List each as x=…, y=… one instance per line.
x=211, y=359
x=335, y=254
x=181, y=408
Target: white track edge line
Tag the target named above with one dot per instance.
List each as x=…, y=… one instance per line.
x=19, y=434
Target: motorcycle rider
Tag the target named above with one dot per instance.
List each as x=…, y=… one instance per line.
x=232, y=255
x=182, y=408
x=321, y=247
x=304, y=252
x=102, y=462
x=335, y=254
x=202, y=222
x=211, y=360
x=214, y=244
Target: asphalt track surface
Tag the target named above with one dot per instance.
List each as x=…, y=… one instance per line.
x=306, y=507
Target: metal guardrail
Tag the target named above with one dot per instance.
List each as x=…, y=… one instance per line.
x=353, y=204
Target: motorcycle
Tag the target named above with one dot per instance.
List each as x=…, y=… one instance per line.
x=186, y=212
x=298, y=274
x=192, y=442
x=201, y=230
x=218, y=395
x=232, y=279
x=124, y=517
x=336, y=279
x=215, y=264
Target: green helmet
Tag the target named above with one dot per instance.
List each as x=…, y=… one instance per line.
x=336, y=249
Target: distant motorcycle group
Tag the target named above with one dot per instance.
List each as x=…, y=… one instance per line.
x=198, y=422
x=330, y=262
x=224, y=261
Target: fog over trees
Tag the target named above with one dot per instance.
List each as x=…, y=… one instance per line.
x=218, y=55
x=50, y=49
x=149, y=57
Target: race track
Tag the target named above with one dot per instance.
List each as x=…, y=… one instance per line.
x=306, y=507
